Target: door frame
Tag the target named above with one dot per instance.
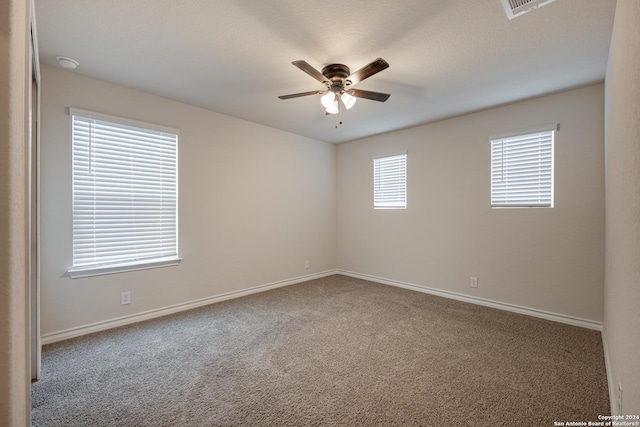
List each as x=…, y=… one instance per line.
x=33, y=203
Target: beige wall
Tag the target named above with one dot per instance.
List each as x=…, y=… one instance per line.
x=545, y=259
x=622, y=278
x=254, y=204
x=14, y=95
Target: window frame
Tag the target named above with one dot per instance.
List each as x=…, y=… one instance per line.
x=389, y=205
x=495, y=203
x=136, y=262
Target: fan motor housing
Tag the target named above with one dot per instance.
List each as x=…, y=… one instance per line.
x=336, y=72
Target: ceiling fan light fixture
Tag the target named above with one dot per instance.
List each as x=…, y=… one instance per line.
x=348, y=100
x=334, y=108
x=327, y=99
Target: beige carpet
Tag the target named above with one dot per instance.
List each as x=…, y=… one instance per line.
x=333, y=351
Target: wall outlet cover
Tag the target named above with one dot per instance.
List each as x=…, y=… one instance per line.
x=125, y=298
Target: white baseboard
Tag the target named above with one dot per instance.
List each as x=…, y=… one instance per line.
x=613, y=395
x=556, y=317
x=159, y=312
x=151, y=314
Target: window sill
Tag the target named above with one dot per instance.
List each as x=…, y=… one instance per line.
x=121, y=268
x=389, y=207
x=521, y=206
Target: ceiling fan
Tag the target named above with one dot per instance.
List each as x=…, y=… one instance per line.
x=339, y=82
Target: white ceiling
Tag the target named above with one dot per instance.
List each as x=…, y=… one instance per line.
x=447, y=57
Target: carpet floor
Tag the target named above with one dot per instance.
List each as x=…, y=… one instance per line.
x=335, y=351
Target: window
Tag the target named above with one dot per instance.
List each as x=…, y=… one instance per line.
x=390, y=182
x=522, y=170
x=125, y=194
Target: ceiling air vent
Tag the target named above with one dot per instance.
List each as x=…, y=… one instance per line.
x=519, y=7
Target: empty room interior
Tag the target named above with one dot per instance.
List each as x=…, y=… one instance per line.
x=247, y=212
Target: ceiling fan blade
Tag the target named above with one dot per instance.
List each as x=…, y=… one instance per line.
x=368, y=71
x=367, y=94
x=304, y=66
x=298, y=95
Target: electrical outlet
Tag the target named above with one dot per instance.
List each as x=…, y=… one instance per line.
x=473, y=282
x=125, y=298
x=306, y=264
x=619, y=398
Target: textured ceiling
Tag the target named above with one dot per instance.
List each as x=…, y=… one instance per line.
x=447, y=57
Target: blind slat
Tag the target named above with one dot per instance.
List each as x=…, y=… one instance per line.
x=522, y=170
x=390, y=182
x=125, y=193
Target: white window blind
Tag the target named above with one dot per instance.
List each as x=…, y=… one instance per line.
x=522, y=170
x=125, y=193
x=390, y=182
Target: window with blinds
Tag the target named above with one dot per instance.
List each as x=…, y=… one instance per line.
x=522, y=170
x=390, y=182
x=125, y=194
